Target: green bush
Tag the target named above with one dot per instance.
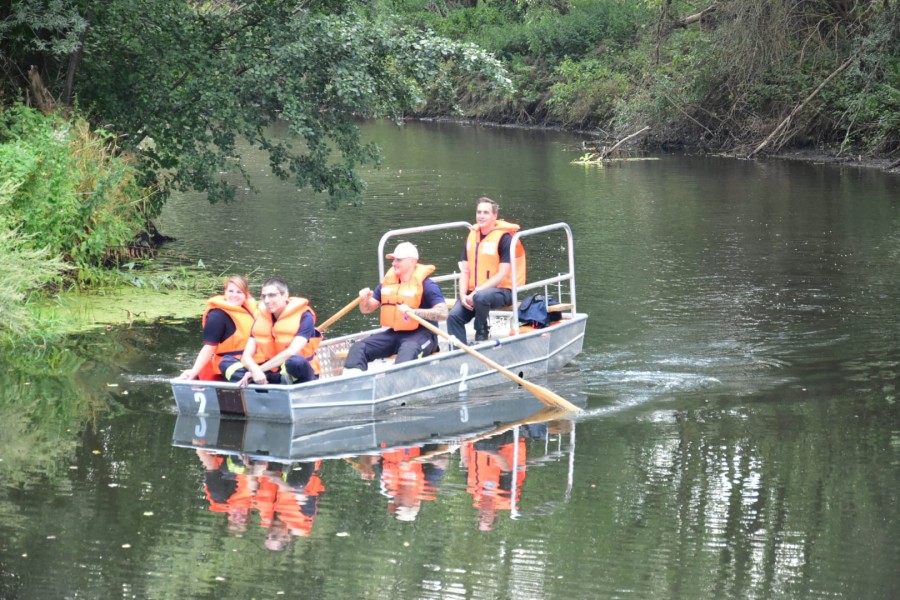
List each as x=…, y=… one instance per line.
x=587, y=28
x=586, y=92
x=69, y=190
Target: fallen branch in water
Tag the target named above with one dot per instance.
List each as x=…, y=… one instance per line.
x=606, y=153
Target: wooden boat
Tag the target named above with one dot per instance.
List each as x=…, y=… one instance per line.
x=444, y=424
x=529, y=354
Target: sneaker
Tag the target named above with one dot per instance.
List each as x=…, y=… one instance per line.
x=352, y=371
x=481, y=337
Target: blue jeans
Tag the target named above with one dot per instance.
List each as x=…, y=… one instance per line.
x=483, y=302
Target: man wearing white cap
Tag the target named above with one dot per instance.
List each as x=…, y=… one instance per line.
x=406, y=287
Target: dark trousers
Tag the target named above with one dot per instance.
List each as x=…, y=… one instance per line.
x=483, y=302
x=297, y=367
x=407, y=345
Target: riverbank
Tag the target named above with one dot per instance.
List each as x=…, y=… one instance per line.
x=808, y=155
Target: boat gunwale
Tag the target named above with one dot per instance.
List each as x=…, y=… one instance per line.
x=434, y=358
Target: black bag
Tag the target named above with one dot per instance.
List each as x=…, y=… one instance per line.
x=533, y=311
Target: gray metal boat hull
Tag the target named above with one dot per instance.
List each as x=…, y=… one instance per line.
x=531, y=355
x=440, y=423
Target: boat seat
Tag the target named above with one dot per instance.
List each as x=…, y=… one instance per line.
x=343, y=354
x=553, y=308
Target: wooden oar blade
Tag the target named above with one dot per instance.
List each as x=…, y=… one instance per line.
x=548, y=397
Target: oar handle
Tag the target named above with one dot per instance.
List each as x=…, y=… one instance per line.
x=330, y=321
x=542, y=394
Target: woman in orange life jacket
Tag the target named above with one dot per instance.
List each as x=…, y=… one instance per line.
x=229, y=487
x=282, y=344
x=406, y=287
x=486, y=272
x=226, y=329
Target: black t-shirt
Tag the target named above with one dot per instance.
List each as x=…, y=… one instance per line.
x=219, y=327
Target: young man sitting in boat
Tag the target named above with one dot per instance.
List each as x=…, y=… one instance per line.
x=486, y=271
x=406, y=287
x=283, y=341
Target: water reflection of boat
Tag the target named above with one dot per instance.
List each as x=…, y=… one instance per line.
x=448, y=423
x=528, y=354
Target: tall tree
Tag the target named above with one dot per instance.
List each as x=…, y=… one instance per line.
x=185, y=81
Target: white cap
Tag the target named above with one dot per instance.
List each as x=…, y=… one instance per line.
x=404, y=250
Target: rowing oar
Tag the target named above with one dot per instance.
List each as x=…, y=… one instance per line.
x=542, y=394
x=329, y=322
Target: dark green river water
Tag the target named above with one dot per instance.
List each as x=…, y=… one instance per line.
x=741, y=437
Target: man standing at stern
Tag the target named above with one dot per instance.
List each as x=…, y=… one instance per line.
x=406, y=287
x=486, y=272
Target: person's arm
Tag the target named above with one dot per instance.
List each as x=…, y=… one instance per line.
x=214, y=332
x=434, y=306
x=463, y=277
x=494, y=280
x=368, y=303
x=305, y=332
x=204, y=356
x=437, y=312
x=254, y=371
x=276, y=361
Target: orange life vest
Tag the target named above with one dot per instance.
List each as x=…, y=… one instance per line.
x=393, y=292
x=271, y=338
x=242, y=316
x=271, y=500
x=401, y=475
x=289, y=507
x=484, y=474
x=239, y=501
x=484, y=256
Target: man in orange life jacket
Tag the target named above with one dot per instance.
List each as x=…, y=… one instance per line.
x=406, y=287
x=495, y=471
x=283, y=338
x=486, y=272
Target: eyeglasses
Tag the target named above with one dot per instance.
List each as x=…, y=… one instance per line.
x=272, y=295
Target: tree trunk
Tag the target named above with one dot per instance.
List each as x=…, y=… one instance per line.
x=781, y=126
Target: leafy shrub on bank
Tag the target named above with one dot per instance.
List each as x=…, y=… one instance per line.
x=588, y=27
x=22, y=271
x=70, y=191
x=586, y=92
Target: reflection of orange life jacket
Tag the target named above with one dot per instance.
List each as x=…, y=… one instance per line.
x=289, y=507
x=242, y=316
x=239, y=501
x=272, y=339
x=400, y=475
x=484, y=256
x=483, y=477
x=272, y=500
x=393, y=292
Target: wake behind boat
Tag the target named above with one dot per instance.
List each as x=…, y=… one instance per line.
x=522, y=351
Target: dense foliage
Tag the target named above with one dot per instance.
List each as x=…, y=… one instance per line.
x=171, y=91
x=721, y=76
x=137, y=99
x=184, y=83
